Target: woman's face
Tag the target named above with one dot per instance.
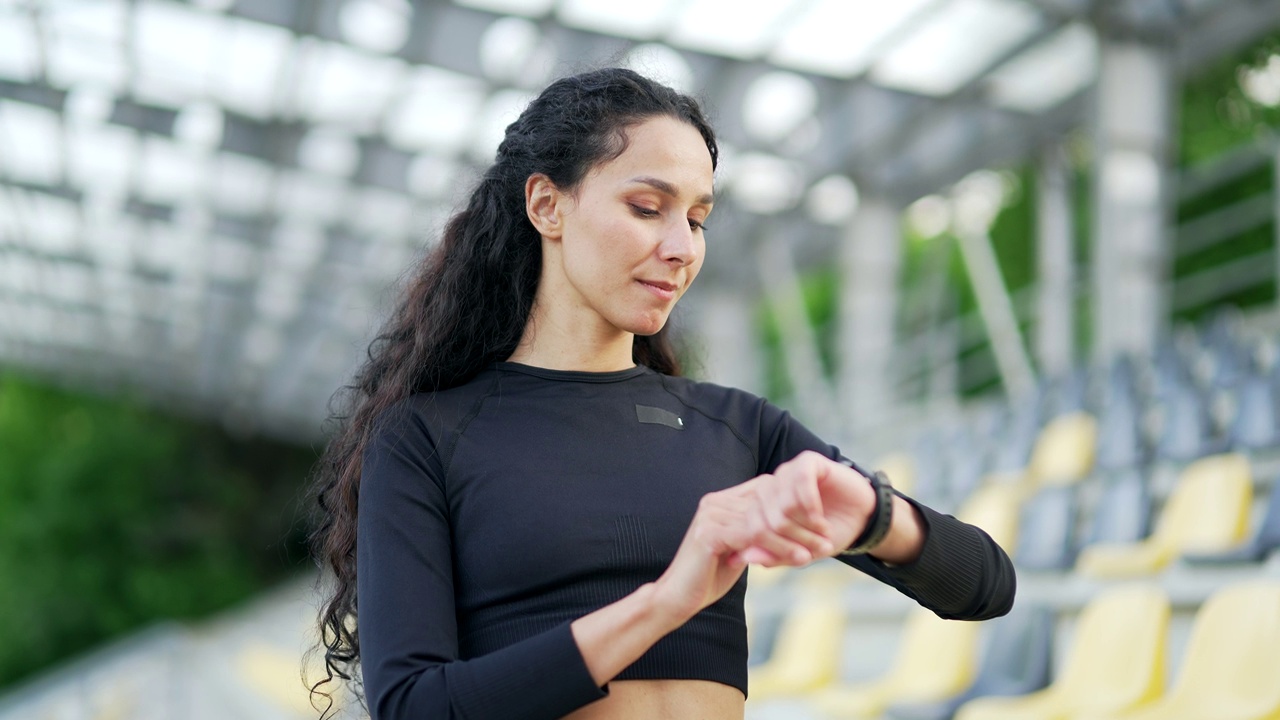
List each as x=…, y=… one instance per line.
x=632, y=236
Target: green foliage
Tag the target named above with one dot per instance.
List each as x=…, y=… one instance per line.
x=112, y=517
x=1215, y=115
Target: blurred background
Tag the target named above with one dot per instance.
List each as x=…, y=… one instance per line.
x=1021, y=254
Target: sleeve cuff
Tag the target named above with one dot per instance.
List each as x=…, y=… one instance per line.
x=950, y=568
x=543, y=676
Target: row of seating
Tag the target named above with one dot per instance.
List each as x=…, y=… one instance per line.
x=1114, y=667
x=1059, y=512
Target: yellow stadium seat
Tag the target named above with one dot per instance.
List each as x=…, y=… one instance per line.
x=994, y=508
x=1064, y=451
x=1208, y=511
x=937, y=659
x=1231, y=668
x=901, y=471
x=276, y=675
x=806, y=653
x=1116, y=661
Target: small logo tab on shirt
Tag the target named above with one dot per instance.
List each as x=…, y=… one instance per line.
x=658, y=416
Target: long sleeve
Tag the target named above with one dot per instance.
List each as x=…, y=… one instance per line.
x=960, y=574
x=406, y=619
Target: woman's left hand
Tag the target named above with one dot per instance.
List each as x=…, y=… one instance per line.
x=809, y=493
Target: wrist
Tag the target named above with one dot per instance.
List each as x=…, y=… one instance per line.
x=880, y=519
x=666, y=609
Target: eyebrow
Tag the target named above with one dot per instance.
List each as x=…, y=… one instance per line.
x=667, y=188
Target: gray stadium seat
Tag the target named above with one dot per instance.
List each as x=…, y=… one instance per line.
x=1046, y=539
x=1123, y=512
x=1017, y=661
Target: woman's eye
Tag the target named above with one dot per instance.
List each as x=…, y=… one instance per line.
x=644, y=211
x=695, y=225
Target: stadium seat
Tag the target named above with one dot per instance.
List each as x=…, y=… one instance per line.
x=1208, y=511
x=806, y=650
x=1064, y=451
x=1229, y=669
x=274, y=674
x=1120, y=443
x=901, y=471
x=1187, y=428
x=1017, y=661
x=1047, y=530
x=1122, y=513
x=994, y=508
x=1264, y=540
x=1256, y=426
x=935, y=660
x=1116, y=661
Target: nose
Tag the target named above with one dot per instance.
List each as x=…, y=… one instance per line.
x=679, y=246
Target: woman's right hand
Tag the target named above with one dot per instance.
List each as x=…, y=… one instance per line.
x=762, y=521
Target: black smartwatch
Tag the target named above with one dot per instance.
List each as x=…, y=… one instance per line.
x=879, y=521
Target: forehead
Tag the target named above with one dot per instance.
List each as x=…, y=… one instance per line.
x=666, y=148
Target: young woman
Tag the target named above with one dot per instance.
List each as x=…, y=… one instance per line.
x=533, y=513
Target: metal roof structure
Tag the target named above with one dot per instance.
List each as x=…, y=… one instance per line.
x=210, y=201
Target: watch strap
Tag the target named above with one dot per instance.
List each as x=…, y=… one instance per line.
x=880, y=519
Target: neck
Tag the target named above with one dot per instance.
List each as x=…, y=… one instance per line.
x=558, y=341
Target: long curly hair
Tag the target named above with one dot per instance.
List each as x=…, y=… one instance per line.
x=466, y=305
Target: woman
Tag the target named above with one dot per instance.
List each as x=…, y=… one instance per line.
x=539, y=518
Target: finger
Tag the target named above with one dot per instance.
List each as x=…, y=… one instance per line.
x=760, y=556
x=783, y=524
x=787, y=549
x=799, y=479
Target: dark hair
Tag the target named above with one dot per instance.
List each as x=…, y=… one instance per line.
x=467, y=303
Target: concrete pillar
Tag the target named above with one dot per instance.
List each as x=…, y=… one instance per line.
x=1055, y=265
x=1133, y=130
x=727, y=331
x=870, y=262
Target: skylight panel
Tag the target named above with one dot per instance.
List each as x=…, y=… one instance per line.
x=953, y=45
x=248, y=69
x=738, y=28
x=169, y=171
x=840, y=37
x=1048, y=73
x=377, y=25
x=30, y=143
x=311, y=197
x=339, y=84
x=53, y=222
x=501, y=110
x=174, y=48
x=437, y=112
x=382, y=212
x=241, y=185
x=527, y=8
x=641, y=21
x=19, y=58
x=662, y=63
x=86, y=43
x=297, y=245
x=69, y=283
x=231, y=260
x=101, y=155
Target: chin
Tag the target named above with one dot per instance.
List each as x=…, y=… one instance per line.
x=646, y=325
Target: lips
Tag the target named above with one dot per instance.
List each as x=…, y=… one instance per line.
x=669, y=287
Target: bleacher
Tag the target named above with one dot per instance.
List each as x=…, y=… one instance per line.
x=1138, y=499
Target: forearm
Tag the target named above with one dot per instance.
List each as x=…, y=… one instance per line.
x=616, y=635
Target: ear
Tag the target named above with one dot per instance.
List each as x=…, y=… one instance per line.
x=544, y=203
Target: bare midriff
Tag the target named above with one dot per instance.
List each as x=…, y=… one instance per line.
x=650, y=699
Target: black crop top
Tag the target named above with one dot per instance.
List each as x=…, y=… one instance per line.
x=493, y=514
